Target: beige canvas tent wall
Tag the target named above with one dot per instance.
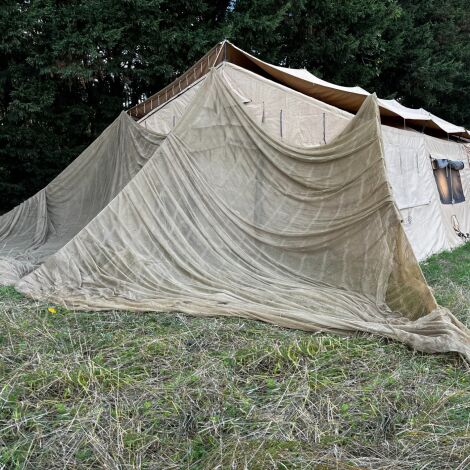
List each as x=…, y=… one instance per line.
x=303, y=120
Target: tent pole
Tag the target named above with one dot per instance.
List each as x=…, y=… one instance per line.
x=451, y=189
x=217, y=56
x=324, y=128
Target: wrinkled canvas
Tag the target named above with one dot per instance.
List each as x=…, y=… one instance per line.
x=225, y=219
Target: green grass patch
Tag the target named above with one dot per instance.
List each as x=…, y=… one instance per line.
x=158, y=390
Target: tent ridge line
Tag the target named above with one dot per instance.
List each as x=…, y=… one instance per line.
x=139, y=111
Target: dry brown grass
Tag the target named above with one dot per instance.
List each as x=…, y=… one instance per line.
x=122, y=390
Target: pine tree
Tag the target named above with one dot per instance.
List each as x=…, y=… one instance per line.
x=67, y=68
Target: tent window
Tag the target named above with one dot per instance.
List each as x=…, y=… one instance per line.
x=449, y=184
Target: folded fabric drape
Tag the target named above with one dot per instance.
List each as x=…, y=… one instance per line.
x=224, y=219
x=44, y=223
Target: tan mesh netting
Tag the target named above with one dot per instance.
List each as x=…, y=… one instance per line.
x=44, y=223
x=226, y=220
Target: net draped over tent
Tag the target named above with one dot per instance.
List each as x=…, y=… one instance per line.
x=302, y=120
x=41, y=225
x=224, y=219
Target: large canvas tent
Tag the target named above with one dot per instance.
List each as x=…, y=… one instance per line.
x=259, y=202
x=284, y=102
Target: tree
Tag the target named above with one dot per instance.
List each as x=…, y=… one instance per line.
x=344, y=41
x=68, y=67
x=433, y=67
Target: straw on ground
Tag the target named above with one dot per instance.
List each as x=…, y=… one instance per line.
x=164, y=390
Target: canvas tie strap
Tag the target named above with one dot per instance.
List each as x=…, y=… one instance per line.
x=456, y=227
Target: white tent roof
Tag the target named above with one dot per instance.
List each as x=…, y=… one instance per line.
x=404, y=112
x=345, y=94
x=448, y=126
x=306, y=75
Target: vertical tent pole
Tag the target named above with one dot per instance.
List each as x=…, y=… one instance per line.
x=217, y=56
x=324, y=128
x=450, y=179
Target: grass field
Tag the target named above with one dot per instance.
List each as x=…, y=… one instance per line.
x=123, y=390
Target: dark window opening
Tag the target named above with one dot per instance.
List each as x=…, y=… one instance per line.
x=448, y=181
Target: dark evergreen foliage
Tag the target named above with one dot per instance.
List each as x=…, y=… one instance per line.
x=68, y=67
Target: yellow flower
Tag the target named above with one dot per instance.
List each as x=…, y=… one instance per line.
x=52, y=310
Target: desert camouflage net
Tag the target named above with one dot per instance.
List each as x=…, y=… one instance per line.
x=224, y=219
x=44, y=223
